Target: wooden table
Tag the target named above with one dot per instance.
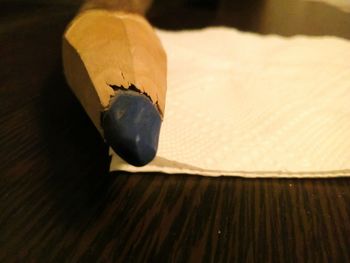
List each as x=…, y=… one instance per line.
x=58, y=203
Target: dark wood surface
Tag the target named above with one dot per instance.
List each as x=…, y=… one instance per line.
x=58, y=203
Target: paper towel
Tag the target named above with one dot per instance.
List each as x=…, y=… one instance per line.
x=255, y=106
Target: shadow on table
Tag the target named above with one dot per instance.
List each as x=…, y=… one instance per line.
x=286, y=18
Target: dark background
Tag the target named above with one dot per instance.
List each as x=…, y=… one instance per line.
x=58, y=203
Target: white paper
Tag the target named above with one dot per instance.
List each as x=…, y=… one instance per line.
x=255, y=106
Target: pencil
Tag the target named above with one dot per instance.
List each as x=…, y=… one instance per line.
x=116, y=66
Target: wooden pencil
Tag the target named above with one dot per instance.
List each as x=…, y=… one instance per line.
x=116, y=66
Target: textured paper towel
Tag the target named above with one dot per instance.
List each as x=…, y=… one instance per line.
x=256, y=106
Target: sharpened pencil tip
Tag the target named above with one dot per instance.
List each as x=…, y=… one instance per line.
x=131, y=127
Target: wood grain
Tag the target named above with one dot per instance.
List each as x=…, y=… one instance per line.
x=58, y=203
